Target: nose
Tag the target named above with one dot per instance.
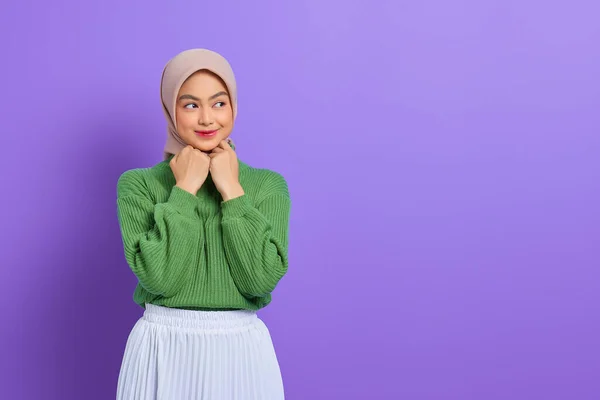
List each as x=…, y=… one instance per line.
x=205, y=117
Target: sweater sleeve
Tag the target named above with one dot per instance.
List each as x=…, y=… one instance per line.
x=255, y=239
x=161, y=241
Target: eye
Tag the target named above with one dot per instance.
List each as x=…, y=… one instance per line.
x=222, y=104
x=190, y=106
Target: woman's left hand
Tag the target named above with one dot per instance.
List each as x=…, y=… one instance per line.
x=224, y=170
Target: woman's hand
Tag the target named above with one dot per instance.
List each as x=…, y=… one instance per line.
x=190, y=167
x=224, y=169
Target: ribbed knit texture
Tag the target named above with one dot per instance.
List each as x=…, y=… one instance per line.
x=200, y=252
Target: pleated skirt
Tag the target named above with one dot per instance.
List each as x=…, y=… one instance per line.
x=176, y=354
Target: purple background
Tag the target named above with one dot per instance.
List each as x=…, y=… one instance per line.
x=443, y=159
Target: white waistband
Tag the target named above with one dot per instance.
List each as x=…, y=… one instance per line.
x=209, y=320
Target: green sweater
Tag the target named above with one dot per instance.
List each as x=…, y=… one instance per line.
x=200, y=252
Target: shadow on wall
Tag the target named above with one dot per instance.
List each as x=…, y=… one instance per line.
x=91, y=307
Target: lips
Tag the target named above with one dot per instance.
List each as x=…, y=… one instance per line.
x=207, y=133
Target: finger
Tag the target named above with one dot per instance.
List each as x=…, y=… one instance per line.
x=224, y=145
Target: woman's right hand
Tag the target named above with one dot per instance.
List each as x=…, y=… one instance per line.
x=190, y=167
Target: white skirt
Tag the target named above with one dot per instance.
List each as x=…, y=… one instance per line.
x=176, y=354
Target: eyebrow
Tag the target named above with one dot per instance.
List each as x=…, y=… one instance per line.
x=214, y=96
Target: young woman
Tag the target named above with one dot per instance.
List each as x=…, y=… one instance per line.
x=206, y=236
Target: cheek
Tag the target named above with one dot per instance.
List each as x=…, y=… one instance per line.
x=185, y=119
x=225, y=119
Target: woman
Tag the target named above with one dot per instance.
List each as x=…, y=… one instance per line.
x=206, y=236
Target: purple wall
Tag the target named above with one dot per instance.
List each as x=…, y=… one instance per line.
x=443, y=159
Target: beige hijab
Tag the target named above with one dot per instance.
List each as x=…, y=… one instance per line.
x=177, y=70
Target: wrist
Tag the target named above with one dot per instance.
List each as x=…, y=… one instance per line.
x=232, y=192
x=187, y=188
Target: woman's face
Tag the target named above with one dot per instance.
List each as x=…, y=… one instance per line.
x=203, y=111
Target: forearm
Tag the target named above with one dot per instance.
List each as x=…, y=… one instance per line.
x=162, y=241
x=255, y=243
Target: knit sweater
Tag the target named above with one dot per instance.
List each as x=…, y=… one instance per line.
x=200, y=252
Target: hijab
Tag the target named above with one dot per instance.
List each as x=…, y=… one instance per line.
x=175, y=73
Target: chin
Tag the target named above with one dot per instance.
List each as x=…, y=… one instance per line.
x=207, y=145
x=204, y=144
